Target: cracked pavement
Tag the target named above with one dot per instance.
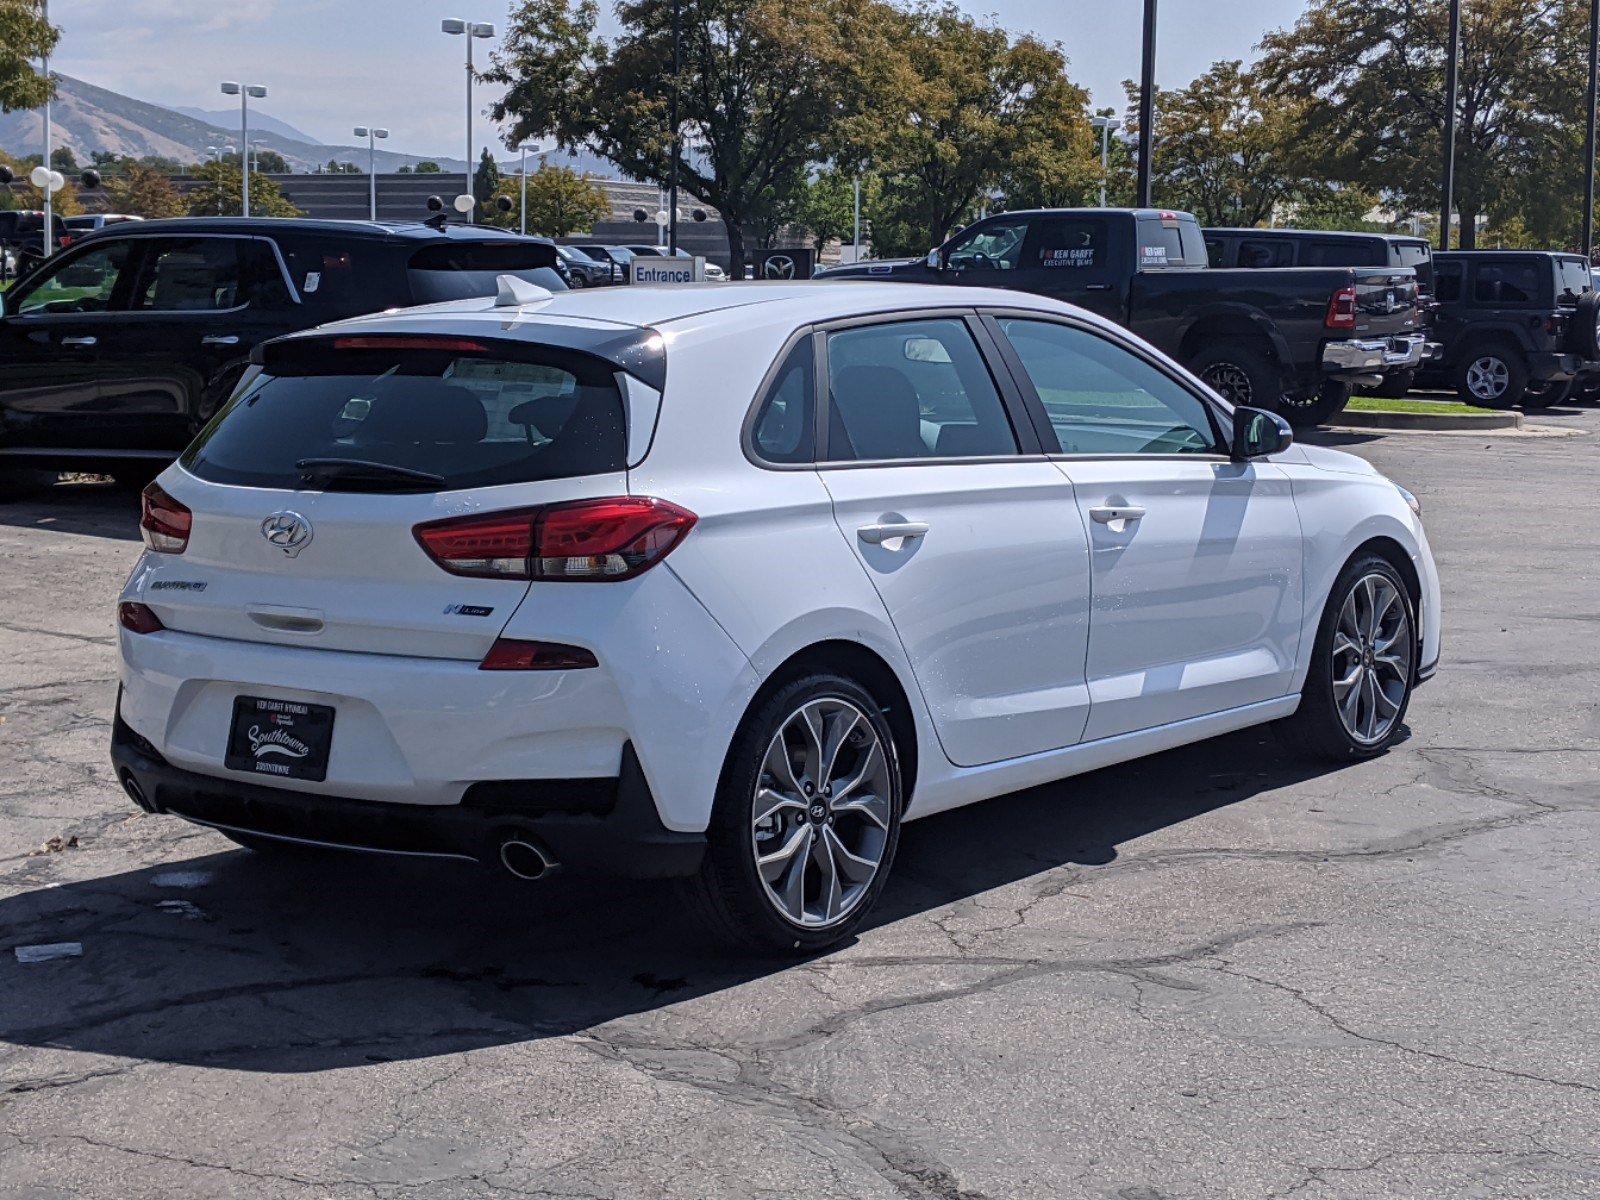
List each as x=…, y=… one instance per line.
x=1216, y=973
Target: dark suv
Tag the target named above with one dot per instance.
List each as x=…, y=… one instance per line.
x=1330, y=248
x=22, y=240
x=118, y=350
x=1518, y=326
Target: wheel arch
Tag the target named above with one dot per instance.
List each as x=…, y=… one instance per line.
x=1398, y=557
x=865, y=665
x=1232, y=323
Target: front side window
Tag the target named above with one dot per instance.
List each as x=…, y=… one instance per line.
x=785, y=425
x=996, y=246
x=1102, y=399
x=84, y=283
x=912, y=389
x=468, y=415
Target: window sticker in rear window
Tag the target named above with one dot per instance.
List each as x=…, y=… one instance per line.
x=1152, y=256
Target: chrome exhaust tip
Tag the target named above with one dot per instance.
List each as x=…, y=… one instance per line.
x=524, y=859
x=135, y=792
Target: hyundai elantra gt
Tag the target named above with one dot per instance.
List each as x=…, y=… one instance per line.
x=728, y=582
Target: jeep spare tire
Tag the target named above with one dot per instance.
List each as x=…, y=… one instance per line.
x=1584, y=333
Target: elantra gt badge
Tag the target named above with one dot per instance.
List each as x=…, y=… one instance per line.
x=288, y=531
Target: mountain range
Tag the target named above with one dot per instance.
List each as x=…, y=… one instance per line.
x=86, y=118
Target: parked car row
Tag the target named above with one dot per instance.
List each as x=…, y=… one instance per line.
x=1296, y=339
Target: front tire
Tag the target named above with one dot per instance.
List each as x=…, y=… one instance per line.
x=806, y=820
x=1354, y=701
x=1396, y=385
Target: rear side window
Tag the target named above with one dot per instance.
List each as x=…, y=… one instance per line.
x=209, y=274
x=1447, y=282
x=1515, y=282
x=1572, y=280
x=473, y=413
x=785, y=425
x=1262, y=253
x=459, y=271
x=1342, y=253
x=912, y=389
x=1070, y=244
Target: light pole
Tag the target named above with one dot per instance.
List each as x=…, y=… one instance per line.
x=216, y=153
x=672, y=170
x=372, y=133
x=1147, y=105
x=244, y=92
x=856, y=217
x=1107, y=126
x=471, y=30
x=1452, y=84
x=522, y=223
x=49, y=192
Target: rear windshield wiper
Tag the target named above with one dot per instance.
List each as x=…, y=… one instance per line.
x=360, y=471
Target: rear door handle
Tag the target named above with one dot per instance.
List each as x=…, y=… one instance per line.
x=1098, y=287
x=878, y=534
x=79, y=341
x=220, y=339
x=1108, y=514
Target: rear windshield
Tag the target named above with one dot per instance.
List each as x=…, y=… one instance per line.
x=474, y=414
x=459, y=271
x=1169, y=243
x=1572, y=280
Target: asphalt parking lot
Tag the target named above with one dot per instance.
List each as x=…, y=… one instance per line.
x=1215, y=973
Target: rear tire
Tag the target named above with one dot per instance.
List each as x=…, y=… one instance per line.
x=1542, y=395
x=1327, y=404
x=1242, y=374
x=1396, y=385
x=805, y=823
x=16, y=484
x=1354, y=701
x=1493, y=377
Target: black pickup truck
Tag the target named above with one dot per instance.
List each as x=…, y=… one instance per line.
x=1299, y=337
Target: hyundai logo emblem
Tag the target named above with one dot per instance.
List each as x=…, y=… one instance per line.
x=779, y=266
x=288, y=531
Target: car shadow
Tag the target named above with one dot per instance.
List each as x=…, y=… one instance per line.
x=318, y=960
x=93, y=509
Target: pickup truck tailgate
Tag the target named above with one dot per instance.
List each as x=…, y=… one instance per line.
x=1386, y=302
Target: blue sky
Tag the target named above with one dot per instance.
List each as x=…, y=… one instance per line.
x=332, y=64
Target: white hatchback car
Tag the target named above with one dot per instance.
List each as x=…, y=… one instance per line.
x=727, y=582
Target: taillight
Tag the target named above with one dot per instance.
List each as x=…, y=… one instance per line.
x=509, y=654
x=1342, y=309
x=586, y=541
x=164, y=522
x=1556, y=325
x=140, y=618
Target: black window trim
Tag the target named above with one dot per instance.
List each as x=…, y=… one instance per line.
x=1022, y=429
x=1218, y=410
x=769, y=380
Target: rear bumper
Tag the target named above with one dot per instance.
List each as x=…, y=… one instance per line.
x=604, y=825
x=1546, y=365
x=1360, y=356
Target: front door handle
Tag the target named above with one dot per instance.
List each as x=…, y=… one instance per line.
x=878, y=534
x=1097, y=287
x=79, y=341
x=220, y=339
x=1116, y=516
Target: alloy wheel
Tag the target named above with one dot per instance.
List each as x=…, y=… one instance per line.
x=1488, y=378
x=1372, y=648
x=821, y=812
x=1231, y=382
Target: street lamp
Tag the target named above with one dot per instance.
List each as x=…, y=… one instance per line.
x=522, y=224
x=471, y=30
x=372, y=134
x=1107, y=126
x=244, y=92
x=49, y=208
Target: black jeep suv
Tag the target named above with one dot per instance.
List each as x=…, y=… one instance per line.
x=1518, y=326
x=115, y=352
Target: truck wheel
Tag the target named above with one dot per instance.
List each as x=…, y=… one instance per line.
x=1243, y=375
x=1318, y=409
x=1543, y=395
x=1494, y=377
x=1396, y=385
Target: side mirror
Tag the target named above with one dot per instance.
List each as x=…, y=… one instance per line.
x=1258, y=433
x=935, y=259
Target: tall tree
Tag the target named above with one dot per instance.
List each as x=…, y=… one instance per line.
x=145, y=192
x=1223, y=150
x=486, y=179
x=221, y=193
x=1372, y=76
x=768, y=87
x=560, y=202
x=973, y=110
x=24, y=36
